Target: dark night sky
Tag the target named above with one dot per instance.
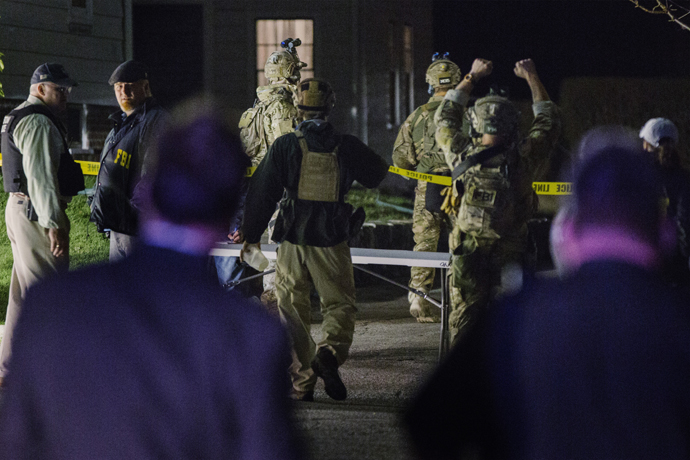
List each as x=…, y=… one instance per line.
x=565, y=39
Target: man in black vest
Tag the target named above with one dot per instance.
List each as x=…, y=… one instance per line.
x=315, y=167
x=33, y=141
x=126, y=157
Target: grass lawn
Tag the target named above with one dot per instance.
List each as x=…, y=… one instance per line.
x=86, y=245
x=89, y=247
x=379, y=206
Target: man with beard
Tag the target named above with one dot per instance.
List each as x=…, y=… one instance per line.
x=126, y=157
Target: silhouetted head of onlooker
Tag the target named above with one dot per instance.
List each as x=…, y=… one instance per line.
x=618, y=188
x=616, y=210
x=196, y=182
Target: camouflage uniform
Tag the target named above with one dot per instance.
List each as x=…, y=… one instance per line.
x=279, y=114
x=279, y=118
x=416, y=149
x=497, y=201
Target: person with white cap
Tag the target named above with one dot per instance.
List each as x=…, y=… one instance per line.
x=660, y=138
x=37, y=174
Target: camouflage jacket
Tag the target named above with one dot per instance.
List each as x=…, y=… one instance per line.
x=276, y=115
x=497, y=196
x=416, y=147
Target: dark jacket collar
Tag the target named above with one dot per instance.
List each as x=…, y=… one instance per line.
x=120, y=118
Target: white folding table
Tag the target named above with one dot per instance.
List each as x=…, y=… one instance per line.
x=365, y=256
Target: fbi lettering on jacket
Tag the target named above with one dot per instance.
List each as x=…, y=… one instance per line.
x=123, y=158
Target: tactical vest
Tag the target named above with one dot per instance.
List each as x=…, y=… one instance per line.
x=490, y=207
x=319, y=178
x=70, y=176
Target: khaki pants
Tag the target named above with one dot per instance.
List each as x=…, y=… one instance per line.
x=330, y=270
x=32, y=261
x=121, y=246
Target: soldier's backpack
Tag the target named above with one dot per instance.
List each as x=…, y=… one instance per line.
x=252, y=133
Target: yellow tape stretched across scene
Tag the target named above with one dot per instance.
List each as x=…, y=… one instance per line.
x=90, y=168
x=541, y=188
x=553, y=188
x=433, y=178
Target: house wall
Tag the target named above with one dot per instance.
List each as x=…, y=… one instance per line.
x=89, y=45
x=350, y=51
x=378, y=19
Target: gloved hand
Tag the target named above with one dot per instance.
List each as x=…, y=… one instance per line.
x=451, y=203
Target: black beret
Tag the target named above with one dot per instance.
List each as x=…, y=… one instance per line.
x=129, y=72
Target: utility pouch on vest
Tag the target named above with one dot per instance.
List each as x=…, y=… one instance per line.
x=433, y=198
x=482, y=204
x=320, y=174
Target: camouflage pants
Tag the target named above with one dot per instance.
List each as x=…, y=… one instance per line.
x=476, y=276
x=426, y=228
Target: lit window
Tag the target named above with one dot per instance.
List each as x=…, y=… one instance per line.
x=269, y=34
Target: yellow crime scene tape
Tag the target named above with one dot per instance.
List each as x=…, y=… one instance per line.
x=541, y=188
x=553, y=188
x=433, y=178
x=90, y=168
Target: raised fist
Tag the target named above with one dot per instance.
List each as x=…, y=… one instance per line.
x=481, y=68
x=525, y=68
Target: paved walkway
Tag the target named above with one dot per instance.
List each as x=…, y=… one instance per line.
x=390, y=356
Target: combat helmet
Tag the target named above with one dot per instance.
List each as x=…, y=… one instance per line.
x=494, y=114
x=442, y=73
x=315, y=95
x=285, y=64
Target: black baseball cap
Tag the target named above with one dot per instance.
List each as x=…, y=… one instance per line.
x=53, y=73
x=129, y=72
